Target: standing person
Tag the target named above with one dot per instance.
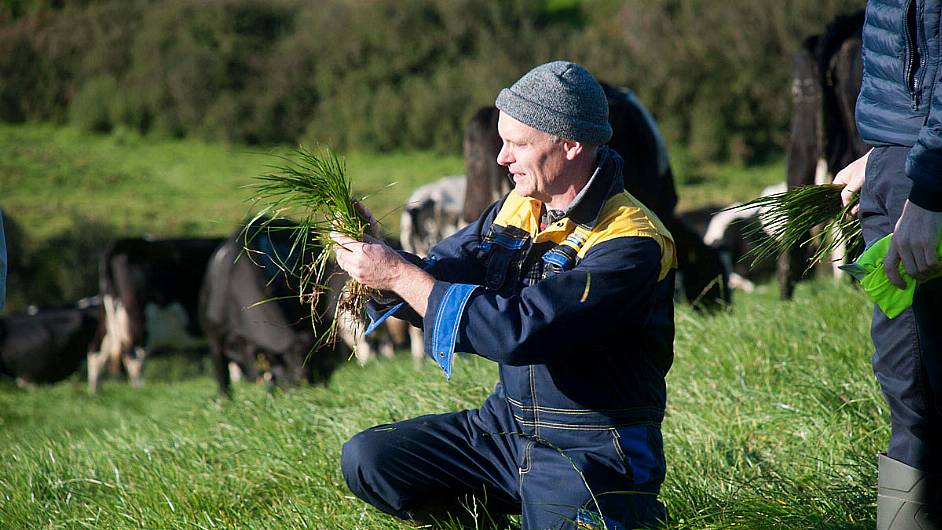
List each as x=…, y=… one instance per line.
x=567, y=284
x=899, y=113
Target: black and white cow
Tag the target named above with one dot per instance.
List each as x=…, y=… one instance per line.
x=734, y=233
x=432, y=213
x=46, y=345
x=253, y=316
x=827, y=72
x=648, y=177
x=149, y=293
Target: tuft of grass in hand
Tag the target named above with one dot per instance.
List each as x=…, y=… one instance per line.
x=790, y=219
x=311, y=189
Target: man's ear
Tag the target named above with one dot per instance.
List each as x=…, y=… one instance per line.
x=573, y=149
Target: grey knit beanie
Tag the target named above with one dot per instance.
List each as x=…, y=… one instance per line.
x=559, y=98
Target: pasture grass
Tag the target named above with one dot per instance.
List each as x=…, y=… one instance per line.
x=52, y=177
x=774, y=421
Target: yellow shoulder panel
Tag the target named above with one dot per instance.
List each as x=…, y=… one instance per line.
x=625, y=216
x=522, y=212
x=622, y=216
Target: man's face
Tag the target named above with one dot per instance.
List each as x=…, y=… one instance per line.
x=534, y=158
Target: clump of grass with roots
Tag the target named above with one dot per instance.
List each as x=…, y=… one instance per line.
x=312, y=192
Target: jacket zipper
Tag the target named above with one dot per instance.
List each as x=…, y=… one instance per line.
x=911, y=80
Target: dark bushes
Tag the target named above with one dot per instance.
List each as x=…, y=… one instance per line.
x=387, y=74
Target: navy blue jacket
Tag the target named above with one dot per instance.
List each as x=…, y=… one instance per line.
x=579, y=314
x=900, y=100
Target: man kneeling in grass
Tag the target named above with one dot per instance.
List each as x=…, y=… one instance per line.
x=567, y=284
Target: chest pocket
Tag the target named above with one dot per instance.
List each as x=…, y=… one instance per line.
x=505, y=248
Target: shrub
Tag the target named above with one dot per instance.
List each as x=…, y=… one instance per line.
x=90, y=109
x=387, y=75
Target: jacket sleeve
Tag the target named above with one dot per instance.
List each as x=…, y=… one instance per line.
x=454, y=259
x=458, y=258
x=611, y=290
x=924, y=165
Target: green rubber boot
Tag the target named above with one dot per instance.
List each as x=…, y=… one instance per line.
x=907, y=498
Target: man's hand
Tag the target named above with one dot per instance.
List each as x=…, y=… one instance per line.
x=852, y=178
x=373, y=228
x=915, y=243
x=370, y=262
x=376, y=265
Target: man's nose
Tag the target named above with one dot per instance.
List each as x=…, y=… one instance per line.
x=503, y=157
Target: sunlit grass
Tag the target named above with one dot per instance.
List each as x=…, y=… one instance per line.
x=774, y=420
x=51, y=175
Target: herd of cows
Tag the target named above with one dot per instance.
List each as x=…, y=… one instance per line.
x=204, y=294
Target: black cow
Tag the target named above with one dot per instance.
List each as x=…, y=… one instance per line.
x=149, y=296
x=486, y=180
x=47, y=345
x=826, y=81
x=647, y=174
x=252, y=314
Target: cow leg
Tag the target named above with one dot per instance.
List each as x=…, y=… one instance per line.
x=386, y=347
x=351, y=334
x=363, y=350
x=790, y=261
x=838, y=258
x=235, y=373
x=398, y=331
x=220, y=365
x=251, y=358
x=417, y=343
x=293, y=367
x=96, y=364
x=134, y=364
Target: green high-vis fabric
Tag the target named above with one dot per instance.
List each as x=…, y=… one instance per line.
x=868, y=270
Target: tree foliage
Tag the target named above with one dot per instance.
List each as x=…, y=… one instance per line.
x=387, y=74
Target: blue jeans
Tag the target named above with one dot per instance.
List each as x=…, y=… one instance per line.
x=908, y=356
x=428, y=465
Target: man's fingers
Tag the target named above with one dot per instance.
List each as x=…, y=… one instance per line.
x=343, y=242
x=855, y=211
x=846, y=196
x=368, y=216
x=364, y=211
x=932, y=259
x=917, y=262
x=891, y=267
x=909, y=265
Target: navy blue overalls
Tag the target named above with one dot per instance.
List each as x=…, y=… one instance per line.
x=579, y=315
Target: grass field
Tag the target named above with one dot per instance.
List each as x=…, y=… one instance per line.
x=773, y=422
x=774, y=417
x=50, y=176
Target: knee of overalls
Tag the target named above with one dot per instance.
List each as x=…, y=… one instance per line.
x=359, y=457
